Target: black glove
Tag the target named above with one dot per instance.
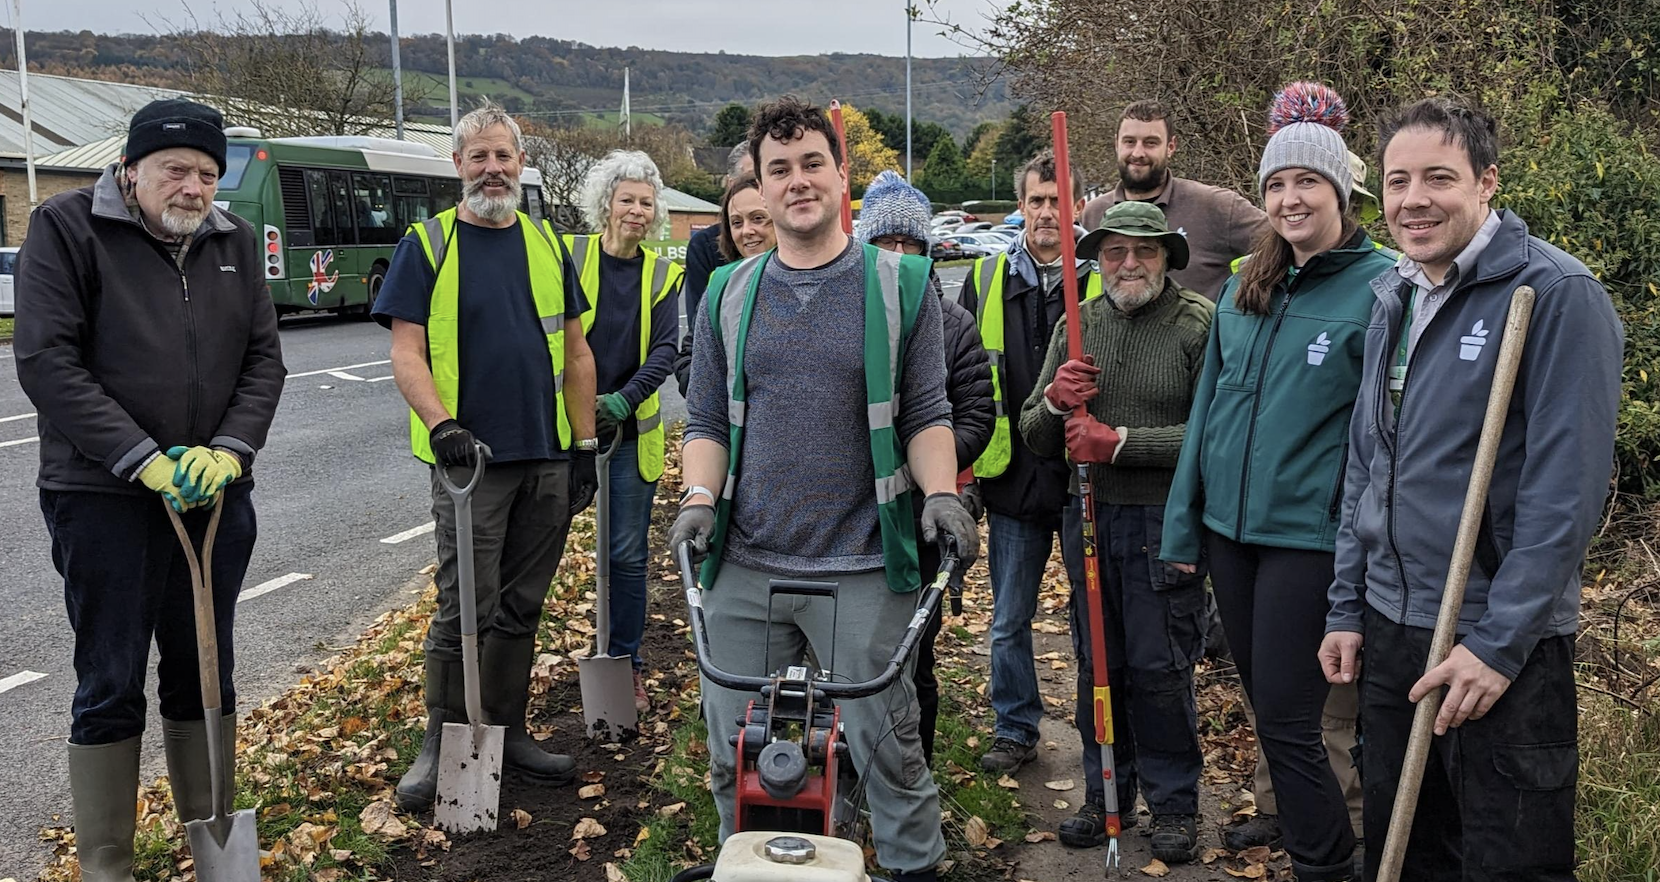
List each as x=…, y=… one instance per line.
x=584, y=479
x=694, y=524
x=974, y=501
x=453, y=445
x=944, y=513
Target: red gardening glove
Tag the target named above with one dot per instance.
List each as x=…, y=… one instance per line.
x=1074, y=384
x=1087, y=440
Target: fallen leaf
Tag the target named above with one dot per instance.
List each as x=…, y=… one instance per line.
x=1155, y=868
x=1062, y=786
x=588, y=828
x=1008, y=783
x=581, y=851
x=668, y=810
x=975, y=831
x=1062, y=804
x=1211, y=854
x=591, y=791
x=643, y=835
x=379, y=818
x=340, y=856
x=521, y=818
x=1254, y=871
x=1256, y=855
x=1040, y=836
x=993, y=842
x=613, y=873
x=593, y=777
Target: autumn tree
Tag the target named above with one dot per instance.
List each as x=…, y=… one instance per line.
x=564, y=154
x=868, y=155
x=263, y=64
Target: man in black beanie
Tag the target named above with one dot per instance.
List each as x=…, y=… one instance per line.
x=148, y=343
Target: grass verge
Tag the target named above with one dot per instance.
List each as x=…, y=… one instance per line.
x=6, y=329
x=1619, y=794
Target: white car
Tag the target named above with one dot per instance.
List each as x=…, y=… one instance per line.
x=8, y=264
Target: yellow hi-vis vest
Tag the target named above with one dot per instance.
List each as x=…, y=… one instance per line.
x=658, y=278
x=989, y=274
x=547, y=286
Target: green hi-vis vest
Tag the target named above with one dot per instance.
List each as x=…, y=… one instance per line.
x=547, y=286
x=989, y=274
x=894, y=288
x=658, y=276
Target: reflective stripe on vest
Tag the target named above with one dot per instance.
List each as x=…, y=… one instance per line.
x=436, y=235
x=894, y=287
x=989, y=276
x=658, y=277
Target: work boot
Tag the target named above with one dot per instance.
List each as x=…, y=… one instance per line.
x=185, y=742
x=1262, y=828
x=1175, y=838
x=446, y=703
x=504, y=674
x=103, y=783
x=929, y=875
x=1007, y=756
x=1088, y=828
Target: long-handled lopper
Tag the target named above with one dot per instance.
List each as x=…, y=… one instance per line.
x=1458, y=575
x=607, y=683
x=469, y=760
x=1092, y=565
x=225, y=845
x=847, y=160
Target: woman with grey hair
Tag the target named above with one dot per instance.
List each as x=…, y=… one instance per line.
x=631, y=326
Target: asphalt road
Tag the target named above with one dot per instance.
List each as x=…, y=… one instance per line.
x=344, y=526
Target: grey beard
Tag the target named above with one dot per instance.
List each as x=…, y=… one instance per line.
x=494, y=209
x=1133, y=302
x=182, y=222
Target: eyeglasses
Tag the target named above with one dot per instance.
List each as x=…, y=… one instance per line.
x=1143, y=253
x=901, y=244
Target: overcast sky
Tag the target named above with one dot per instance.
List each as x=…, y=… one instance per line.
x=749, y=27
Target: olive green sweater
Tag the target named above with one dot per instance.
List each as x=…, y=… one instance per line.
x=1149, y=360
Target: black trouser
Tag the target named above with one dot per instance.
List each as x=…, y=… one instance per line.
x=1497, y=801
x=927, y=685
x=1155, y=618
x=126, y=580
x=1274, y=600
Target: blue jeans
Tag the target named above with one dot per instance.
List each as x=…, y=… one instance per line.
x=126, y=582
x=1017, y=553
x=629, y=511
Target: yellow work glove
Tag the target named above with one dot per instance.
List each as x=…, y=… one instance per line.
x=202, y=472
x=158, y=476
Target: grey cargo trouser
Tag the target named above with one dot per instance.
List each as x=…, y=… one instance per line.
x=881, y=731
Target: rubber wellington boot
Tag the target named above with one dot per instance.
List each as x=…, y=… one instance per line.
x=504, y=675
x=185, y=742
x=103, y=782
x=446, y=703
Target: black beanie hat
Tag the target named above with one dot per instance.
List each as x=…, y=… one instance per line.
x=176, y=122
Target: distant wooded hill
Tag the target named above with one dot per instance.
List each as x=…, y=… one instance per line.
x=560, y=80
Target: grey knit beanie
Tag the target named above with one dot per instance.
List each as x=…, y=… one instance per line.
x=1305, y=128
x=892, y=207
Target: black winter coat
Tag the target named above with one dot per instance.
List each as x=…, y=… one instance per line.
x=967, y=381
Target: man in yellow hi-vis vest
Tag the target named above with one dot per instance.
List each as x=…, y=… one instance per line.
x=487, y=344
x=632, y=293
x=1016, y=296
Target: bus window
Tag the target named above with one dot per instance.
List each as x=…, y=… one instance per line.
x=340, y=190
x=236, y=163
x=322, y=219
x=413, y=203
x=533, y=203
x=446, y=194
x=372, y=200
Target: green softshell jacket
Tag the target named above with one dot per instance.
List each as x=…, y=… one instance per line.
x=1262, y=459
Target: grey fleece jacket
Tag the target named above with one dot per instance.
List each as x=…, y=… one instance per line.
x=1405, y=478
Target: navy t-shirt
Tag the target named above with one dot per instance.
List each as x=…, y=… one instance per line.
x=506, y=397
x=615, y=335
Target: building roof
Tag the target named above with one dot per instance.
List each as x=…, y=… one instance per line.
x=686, y=202
x=68, y=111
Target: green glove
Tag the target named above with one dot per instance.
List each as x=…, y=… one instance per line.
x=158, y=476
x=610, y=410
x=202, y=472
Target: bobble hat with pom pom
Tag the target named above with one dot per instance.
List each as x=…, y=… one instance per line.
x=1305, y=129
x=892, y=207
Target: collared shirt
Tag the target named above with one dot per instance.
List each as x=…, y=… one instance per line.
x=1427, y=298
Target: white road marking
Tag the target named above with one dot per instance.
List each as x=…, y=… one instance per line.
x=21, y=416
x=344, y=367
x=380, y=379
x=342, y=375
x=409, y=534
x=18, y=441
x=265, y=588
x=21, y=678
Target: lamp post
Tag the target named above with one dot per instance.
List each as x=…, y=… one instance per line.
x=397, y=74
x=994, y=178
x=910, y=14
x=449, y=36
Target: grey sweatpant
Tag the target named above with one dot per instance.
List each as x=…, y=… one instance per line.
x=881, y=730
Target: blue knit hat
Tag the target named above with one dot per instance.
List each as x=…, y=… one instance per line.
x=892, y=207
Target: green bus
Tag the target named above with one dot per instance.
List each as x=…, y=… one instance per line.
x=331, y=209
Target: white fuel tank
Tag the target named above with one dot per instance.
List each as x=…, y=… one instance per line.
x=789, y=857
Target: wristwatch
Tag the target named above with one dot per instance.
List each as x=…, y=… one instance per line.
x=588, y=444
x=697, y=490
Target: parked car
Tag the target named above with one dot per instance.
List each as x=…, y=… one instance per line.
x=8, y=265
x=1014, y=220
x=945, y=250
x=973, y=246
x=974, y=227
